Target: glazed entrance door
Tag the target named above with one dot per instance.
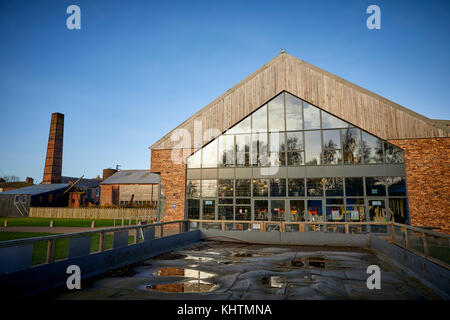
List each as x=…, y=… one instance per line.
x=377, y=210
x=314, y=210
x=296, y=212
x=278, y=210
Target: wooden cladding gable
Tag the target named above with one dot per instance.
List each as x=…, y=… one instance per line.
x=362, y=108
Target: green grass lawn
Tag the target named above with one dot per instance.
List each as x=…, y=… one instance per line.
x=62, y=245
x=45, y=222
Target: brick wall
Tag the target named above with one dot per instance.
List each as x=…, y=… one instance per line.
x=109, y=194
x=173, y=179
x=427, y=163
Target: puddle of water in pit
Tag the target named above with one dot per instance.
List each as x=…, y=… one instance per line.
x=183, y=272
x=191, y=286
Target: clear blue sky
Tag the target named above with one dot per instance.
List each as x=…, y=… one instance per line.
x=137, y=69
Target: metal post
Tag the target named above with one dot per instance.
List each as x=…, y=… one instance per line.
x=51, y=244
x=425, y=244
x=347, y=228
x=102, y=242
x=406, y=238
x=393, y=232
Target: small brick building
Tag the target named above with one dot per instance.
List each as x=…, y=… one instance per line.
x=341, y=153
x=131, y=188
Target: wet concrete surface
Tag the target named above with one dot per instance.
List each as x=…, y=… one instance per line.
x=220, y=270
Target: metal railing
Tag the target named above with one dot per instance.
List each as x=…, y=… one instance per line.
x=56, y=246
x=428, y=244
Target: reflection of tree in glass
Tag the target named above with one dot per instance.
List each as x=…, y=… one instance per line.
x=364, y=152
x=328, y=154
x=393, y=154
x=193, y=189
x=350, y=142
x=295, y=158
x=293, y=143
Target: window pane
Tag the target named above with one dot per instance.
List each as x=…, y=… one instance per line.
x=293, y=113
x=355, y=213
x=334, y=201
x=330, y=122
x=297, y=210
x=294, y=141
x=396, y=186
x=259, y=119
x=314, y=186
x=243, y=201
x=226, y=188
x=296, y=187
x=260, y=187
x=261, y=209
x=331, y=156
x=277, y=159
x=243, y=143
x=354, y=187
x=276, y=114
x=277, y=210
x=393, y=154
x=243, y=187
x=371, y=148
x=355, y=201
x=226, y=213
x=209, y=159
x=243, y=212
x=351, y=141
x=312, y=147
x=225, y=201
x=278, y=187
x=295, y=158
x=193, y=208
x=375, y=186
x=277, y=142
x=398, y=209
x=334, y=187
x=209, y=188
x=242, y=127
x=312, y=116
x=335, y=213
x=193, y=189
x=243, y=150
x=314, y=210
x=259, y=154
x=332, y=139
x=377, y=211
x=226, y=150
x=209, y=210
x=243, y=159
x=195, y=160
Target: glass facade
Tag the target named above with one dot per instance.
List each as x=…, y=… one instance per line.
x=325, y=170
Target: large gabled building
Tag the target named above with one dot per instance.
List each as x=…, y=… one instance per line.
x=294, y=142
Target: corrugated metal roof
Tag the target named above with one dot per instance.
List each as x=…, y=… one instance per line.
x=83, y=183
x=37, y=189
x=133, y=177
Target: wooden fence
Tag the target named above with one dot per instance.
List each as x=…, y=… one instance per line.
x=92, y=213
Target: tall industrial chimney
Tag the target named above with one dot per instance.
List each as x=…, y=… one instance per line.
x=53, y=162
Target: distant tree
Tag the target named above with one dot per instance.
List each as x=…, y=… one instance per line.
x=11, y=178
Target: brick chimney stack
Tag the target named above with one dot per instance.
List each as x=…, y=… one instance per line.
x=53, y=162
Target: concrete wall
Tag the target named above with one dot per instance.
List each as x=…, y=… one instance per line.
x=432, y=274
x=44, y=277
x=427, y=163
